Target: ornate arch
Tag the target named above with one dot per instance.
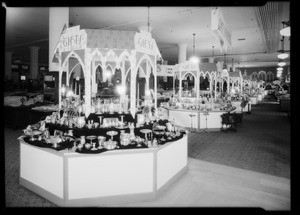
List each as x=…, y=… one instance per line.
x=254, y=76
x=271, y=75
x=71, y=54
x=262, y=73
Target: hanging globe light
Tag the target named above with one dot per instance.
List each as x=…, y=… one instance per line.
x=194, y=59
x=283, y=56
x=286, y=31
x=281, y=64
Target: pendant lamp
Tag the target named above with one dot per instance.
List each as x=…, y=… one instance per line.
x=194, y=58
x=224, y=66
x=282, y=54
x=286, y=30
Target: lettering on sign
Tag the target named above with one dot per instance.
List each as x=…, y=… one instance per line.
x=219, y=29
x=188, y=66
x=144, y=43
x=166, y=70
x=73, y=40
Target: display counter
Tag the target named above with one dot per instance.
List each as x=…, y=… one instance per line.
x=199, y=121
x=254, y=100
x=239, y=109
x=67, y=178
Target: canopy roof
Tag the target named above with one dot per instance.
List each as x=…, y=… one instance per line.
x=208, y=67
x=235, y=74
x=110, y=39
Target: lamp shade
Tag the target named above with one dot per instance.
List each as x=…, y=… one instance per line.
x=283, y=55
x=281, y=64
x=286, y=31
x=194, y=59
x=279, y=68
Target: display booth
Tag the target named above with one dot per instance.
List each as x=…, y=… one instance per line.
x=195, y=108
x=90, y=153
x=88, y=58
x=235, y=81
x=247, y=84
x=221, y=83
x=207, y=78
x=166, y=71
x=196, y=79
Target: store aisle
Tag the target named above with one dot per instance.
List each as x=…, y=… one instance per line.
x=261, y=143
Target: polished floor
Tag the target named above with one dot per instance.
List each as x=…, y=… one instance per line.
x=219, y=174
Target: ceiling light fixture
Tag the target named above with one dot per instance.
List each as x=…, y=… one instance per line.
x=194, y=59
x=282, y=54
x=281, y=64
x=231, y=69
x=286, y=30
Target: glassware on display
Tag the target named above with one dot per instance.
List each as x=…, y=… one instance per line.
x=101, y=140
x=92, y=142
x=82, y=140
x=111, y=134
x=100, y=120
x=80, y=121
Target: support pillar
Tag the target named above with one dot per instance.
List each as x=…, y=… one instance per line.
x=34, y=62
x=182, y=52
x=8, y=72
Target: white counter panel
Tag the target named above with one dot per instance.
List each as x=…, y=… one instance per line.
x=170, y=160
x=48, y=166
x=183, y=119
x=237, y=104
x=253, y=100
x=214, y=120
x=109, y=175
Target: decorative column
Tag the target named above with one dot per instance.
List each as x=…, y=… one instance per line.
x=8, y=72
x=133, y=83
x=182, y=52
x=180, y=85
x=198, y=85
x=58, y=18
x=155, y=84
x=34, y=62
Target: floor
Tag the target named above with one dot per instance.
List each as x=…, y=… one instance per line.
x=212, y=185
x=209, y=182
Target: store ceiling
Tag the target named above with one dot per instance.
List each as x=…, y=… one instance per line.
x=255, y=30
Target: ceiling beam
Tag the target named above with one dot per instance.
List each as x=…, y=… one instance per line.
x=28, y=43
x=261, y=28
